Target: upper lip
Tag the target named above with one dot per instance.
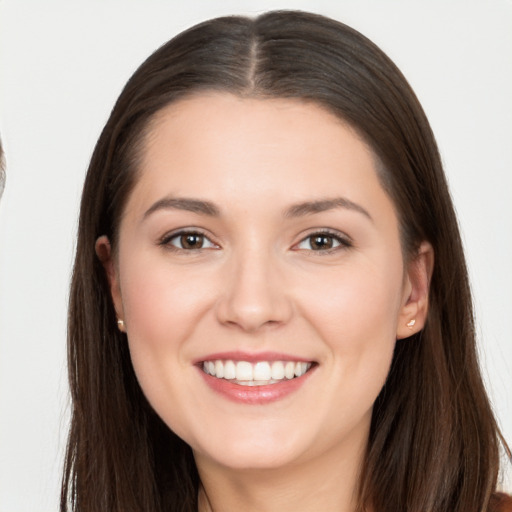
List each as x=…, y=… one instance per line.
x=252, y=357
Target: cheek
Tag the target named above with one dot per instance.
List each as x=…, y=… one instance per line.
x=355, y=313
x=159, y=301
x=162, y=309
x=355, y=306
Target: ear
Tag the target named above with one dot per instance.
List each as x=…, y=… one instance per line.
x=413, y=312
x=104, y=253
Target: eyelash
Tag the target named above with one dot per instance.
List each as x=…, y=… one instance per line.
x=342, y=241
x=166, y=240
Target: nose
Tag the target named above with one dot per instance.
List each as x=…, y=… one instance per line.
x=255, y=294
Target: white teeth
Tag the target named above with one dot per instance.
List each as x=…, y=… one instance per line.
x=262, y=371
x=243, y=370
x=277, y=370
x=300, y=369
x=229, y=370
x=289, y=370
x=219, y=369
x=252, y=383
x=255, y=374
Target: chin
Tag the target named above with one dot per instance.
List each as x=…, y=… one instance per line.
x=248, y=458
x=253, y=452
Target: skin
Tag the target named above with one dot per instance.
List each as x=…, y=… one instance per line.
x=259, y=285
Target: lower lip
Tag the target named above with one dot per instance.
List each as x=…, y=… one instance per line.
x=256, y=394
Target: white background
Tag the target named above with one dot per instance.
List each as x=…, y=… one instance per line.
x=62, y=65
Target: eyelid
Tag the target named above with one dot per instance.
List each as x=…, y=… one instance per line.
x=165, y=240
x=344, y=241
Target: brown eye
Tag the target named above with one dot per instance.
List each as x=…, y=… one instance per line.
x=323, y=241
x=188, y=241
x=320, y=242
x=191, y=241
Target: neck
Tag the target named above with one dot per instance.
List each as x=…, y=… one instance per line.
x=326, y=483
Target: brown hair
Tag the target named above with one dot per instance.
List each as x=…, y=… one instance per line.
x=434, y=442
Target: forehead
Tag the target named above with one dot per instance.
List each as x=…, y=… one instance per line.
x=282, y=119
x=244, y=151
x=252, y=140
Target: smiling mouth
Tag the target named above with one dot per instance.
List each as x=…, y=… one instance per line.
x=260, y=373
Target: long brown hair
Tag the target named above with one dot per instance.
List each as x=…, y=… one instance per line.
x=434, y=443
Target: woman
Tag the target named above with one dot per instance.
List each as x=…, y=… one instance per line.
x=270, y=306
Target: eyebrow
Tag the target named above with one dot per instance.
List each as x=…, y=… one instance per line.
x=182, y=203
x=203, y=207
x=322, y=205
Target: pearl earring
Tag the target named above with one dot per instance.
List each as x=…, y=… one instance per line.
x=120, y=325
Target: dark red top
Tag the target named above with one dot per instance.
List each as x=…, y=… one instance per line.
x=500, y=502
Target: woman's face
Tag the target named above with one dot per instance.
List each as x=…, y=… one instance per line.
x=260, y=277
